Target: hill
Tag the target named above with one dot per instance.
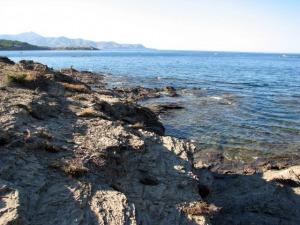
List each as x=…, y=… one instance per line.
x=58, y=42
x=18, y=45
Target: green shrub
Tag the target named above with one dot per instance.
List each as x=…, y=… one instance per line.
x=18, y=78
x=15, y=77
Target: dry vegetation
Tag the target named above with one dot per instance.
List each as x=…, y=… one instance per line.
x=73, y=167
x=76, y=87
x=199, y=208
x=15, y=77
x=89, y=112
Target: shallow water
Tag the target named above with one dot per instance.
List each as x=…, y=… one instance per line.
x=238, y=102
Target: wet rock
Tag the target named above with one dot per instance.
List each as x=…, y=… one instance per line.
x=171, y=91
x=276, y=162
x=137, y=93
x=159, y=108
x=208, y=158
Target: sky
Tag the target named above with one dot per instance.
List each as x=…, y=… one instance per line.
x=215, y=25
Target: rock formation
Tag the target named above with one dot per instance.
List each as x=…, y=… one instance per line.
x=73, y=153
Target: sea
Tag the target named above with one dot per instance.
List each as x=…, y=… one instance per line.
x=245, y=104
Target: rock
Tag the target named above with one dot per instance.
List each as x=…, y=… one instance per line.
x=132, y=114
x=101, y=160
x=94, y=80
x=208, y=158
x=268, y=198
x=76, y=87
x=90, y=112
x=9, y=204
x=112, y=207
x=148, y=180
x=4, y=137
x=171, y=91
x=42, y=108
x=159, y=108
x=199, y=208
x=137, y=93
x=6, y=60
x=79, y=155
x=289, y=177
x=31, y=65
x=277, y=162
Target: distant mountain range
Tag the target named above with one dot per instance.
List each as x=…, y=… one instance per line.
x=64, y=42
x=8, y=45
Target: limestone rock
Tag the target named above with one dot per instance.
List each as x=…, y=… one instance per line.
x=74, y=158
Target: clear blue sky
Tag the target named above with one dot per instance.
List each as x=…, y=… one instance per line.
x=218, y=25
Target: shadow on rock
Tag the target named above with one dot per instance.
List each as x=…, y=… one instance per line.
x=41, y=175
x=270, y=198
x=57, y=167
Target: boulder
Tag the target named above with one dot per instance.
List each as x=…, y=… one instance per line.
x=6, y=60
x=159, y=108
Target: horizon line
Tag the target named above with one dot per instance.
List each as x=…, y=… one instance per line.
x=157, y=49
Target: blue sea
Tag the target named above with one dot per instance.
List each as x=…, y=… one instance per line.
x=246, y=104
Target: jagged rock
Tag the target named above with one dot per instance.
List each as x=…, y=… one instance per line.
x=268, y=198
x=4, y=137
x=101, y=160
x=289, y=177
x=95, y=81
x=89, y=165
x=115, y=205
x=142, y=93
x=137, y=93
x=9, y=204
x=208, y=158
x=31, y=65
x=171, y=91
x=159, y=108
x=6, y=60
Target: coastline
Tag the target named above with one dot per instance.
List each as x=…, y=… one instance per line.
x=66, y=129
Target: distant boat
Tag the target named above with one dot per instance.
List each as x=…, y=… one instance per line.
x=284, y=56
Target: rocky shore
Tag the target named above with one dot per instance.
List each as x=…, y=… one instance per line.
x=74, y=152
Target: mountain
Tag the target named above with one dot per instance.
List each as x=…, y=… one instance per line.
x=63, y=42
x=18, y=45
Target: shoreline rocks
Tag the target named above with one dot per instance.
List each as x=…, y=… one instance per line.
x=76, y=152
x=163, y=107
x=135, y=94
x=69, y=146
